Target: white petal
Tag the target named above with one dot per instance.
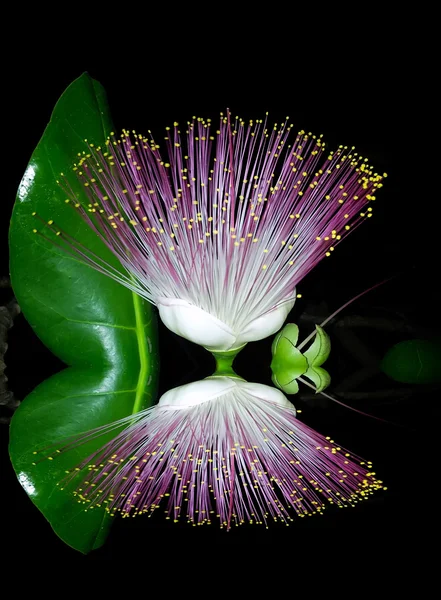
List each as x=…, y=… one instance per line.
x=265, y=325
x=198, y=326
x=195, y=324
x=211, y=388
x=265, y=392
x=196, y=392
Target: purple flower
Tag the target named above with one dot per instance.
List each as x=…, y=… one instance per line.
x=220, y=449
x=219, y=230
x=217, y=233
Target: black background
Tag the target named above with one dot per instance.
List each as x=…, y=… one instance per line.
x=372, y=95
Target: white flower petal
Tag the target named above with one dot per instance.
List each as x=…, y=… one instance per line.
x=265, y=392
x=196, y=392
x=195, y=324
x=265, y=325
x=198, y=326
x=211, y=388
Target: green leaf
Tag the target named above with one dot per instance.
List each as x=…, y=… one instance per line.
x=288, y=362
x=106, y=334
x=415, y=361
x=320, y=349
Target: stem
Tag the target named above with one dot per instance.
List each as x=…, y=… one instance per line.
x=311, y=335
x=360, y=412
x=224, y=363
x=143, y=355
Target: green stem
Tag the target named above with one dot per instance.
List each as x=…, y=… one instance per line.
x=143, y=355
x=224, y=363
x=311, y=335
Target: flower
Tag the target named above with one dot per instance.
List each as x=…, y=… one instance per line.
x=219, y=449
x=219, y=230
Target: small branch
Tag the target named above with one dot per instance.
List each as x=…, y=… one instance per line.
x=335, y=313
x=401, y=393
x=360, y=412
x=7, y=315
x=378, y=394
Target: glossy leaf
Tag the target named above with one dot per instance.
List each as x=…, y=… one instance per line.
x=106, y=334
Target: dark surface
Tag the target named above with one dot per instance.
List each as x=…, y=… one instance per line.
x=348, y=106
